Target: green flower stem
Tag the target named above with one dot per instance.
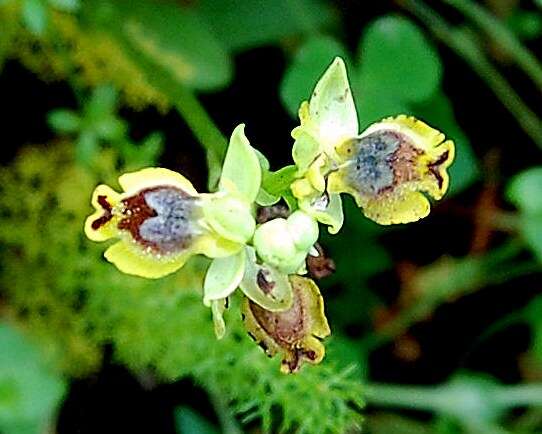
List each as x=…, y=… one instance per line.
x=503, y=36
x=466, y=47
x=186, y=103
x=491, y=269
x=520, y=395
x=205, y=130
x=442, y=398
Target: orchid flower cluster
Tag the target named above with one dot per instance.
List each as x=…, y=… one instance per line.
x=160, y=221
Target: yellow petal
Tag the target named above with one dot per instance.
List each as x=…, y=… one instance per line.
x=131, y=259
x=400, y=207
x=422, y=135
x=101, y=225
x=302, y=188
x=150, y=177
x=315, y=174
x=389, y=164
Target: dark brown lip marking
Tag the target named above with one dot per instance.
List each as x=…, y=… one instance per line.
x=433, y=168
x=265, y=285
x=107, y=215
x=136, y=211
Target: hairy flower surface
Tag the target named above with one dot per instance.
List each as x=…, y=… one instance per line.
x=295, y=333
x=159, y=221
x=387, y=167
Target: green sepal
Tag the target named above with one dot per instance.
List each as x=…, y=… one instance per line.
x=265, y=285
x=331, y=109
x=223, y=277
x=241, y=169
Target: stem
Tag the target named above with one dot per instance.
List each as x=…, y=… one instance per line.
x=521, y=395
x=411, y=397
x=205, y=130
x=186, y=103
x=465, y=46
x=438, y=398
x=487, y=270
x=503, y=36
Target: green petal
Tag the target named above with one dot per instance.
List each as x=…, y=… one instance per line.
x=304, y=230
x=265, y=285
x=332, y=109
x=331, y=215
x=241, y=170
x=230, y=217
x=305, y=151
x=223, y=277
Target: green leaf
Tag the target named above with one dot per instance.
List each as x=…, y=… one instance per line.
x=223, y=277
x=111, y=129
x=276, y=183
x=395, y=54
x=102, y=102
x=188, y=421
x=525, y=190
x=241, y=168
x=29, y=391
x=150, y=149
x=86, y=148
x=176, y=39
x=35, y=16
x=264, y=198
x=64, y=121
x=308, y=65
x=526, y=24
x=241, y=24
x=65, y=5
x=376, y=101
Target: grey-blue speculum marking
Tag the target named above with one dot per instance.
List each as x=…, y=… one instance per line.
x=172, y=227
x=370, y=170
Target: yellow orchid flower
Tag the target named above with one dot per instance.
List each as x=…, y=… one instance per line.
x=387, y=168
x=295, y=333
x=159, y=221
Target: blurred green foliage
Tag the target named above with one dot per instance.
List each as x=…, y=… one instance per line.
x=60, y=287
x=148, y=53
x=30, y=391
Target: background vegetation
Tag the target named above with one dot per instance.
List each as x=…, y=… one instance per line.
x=437, y=326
